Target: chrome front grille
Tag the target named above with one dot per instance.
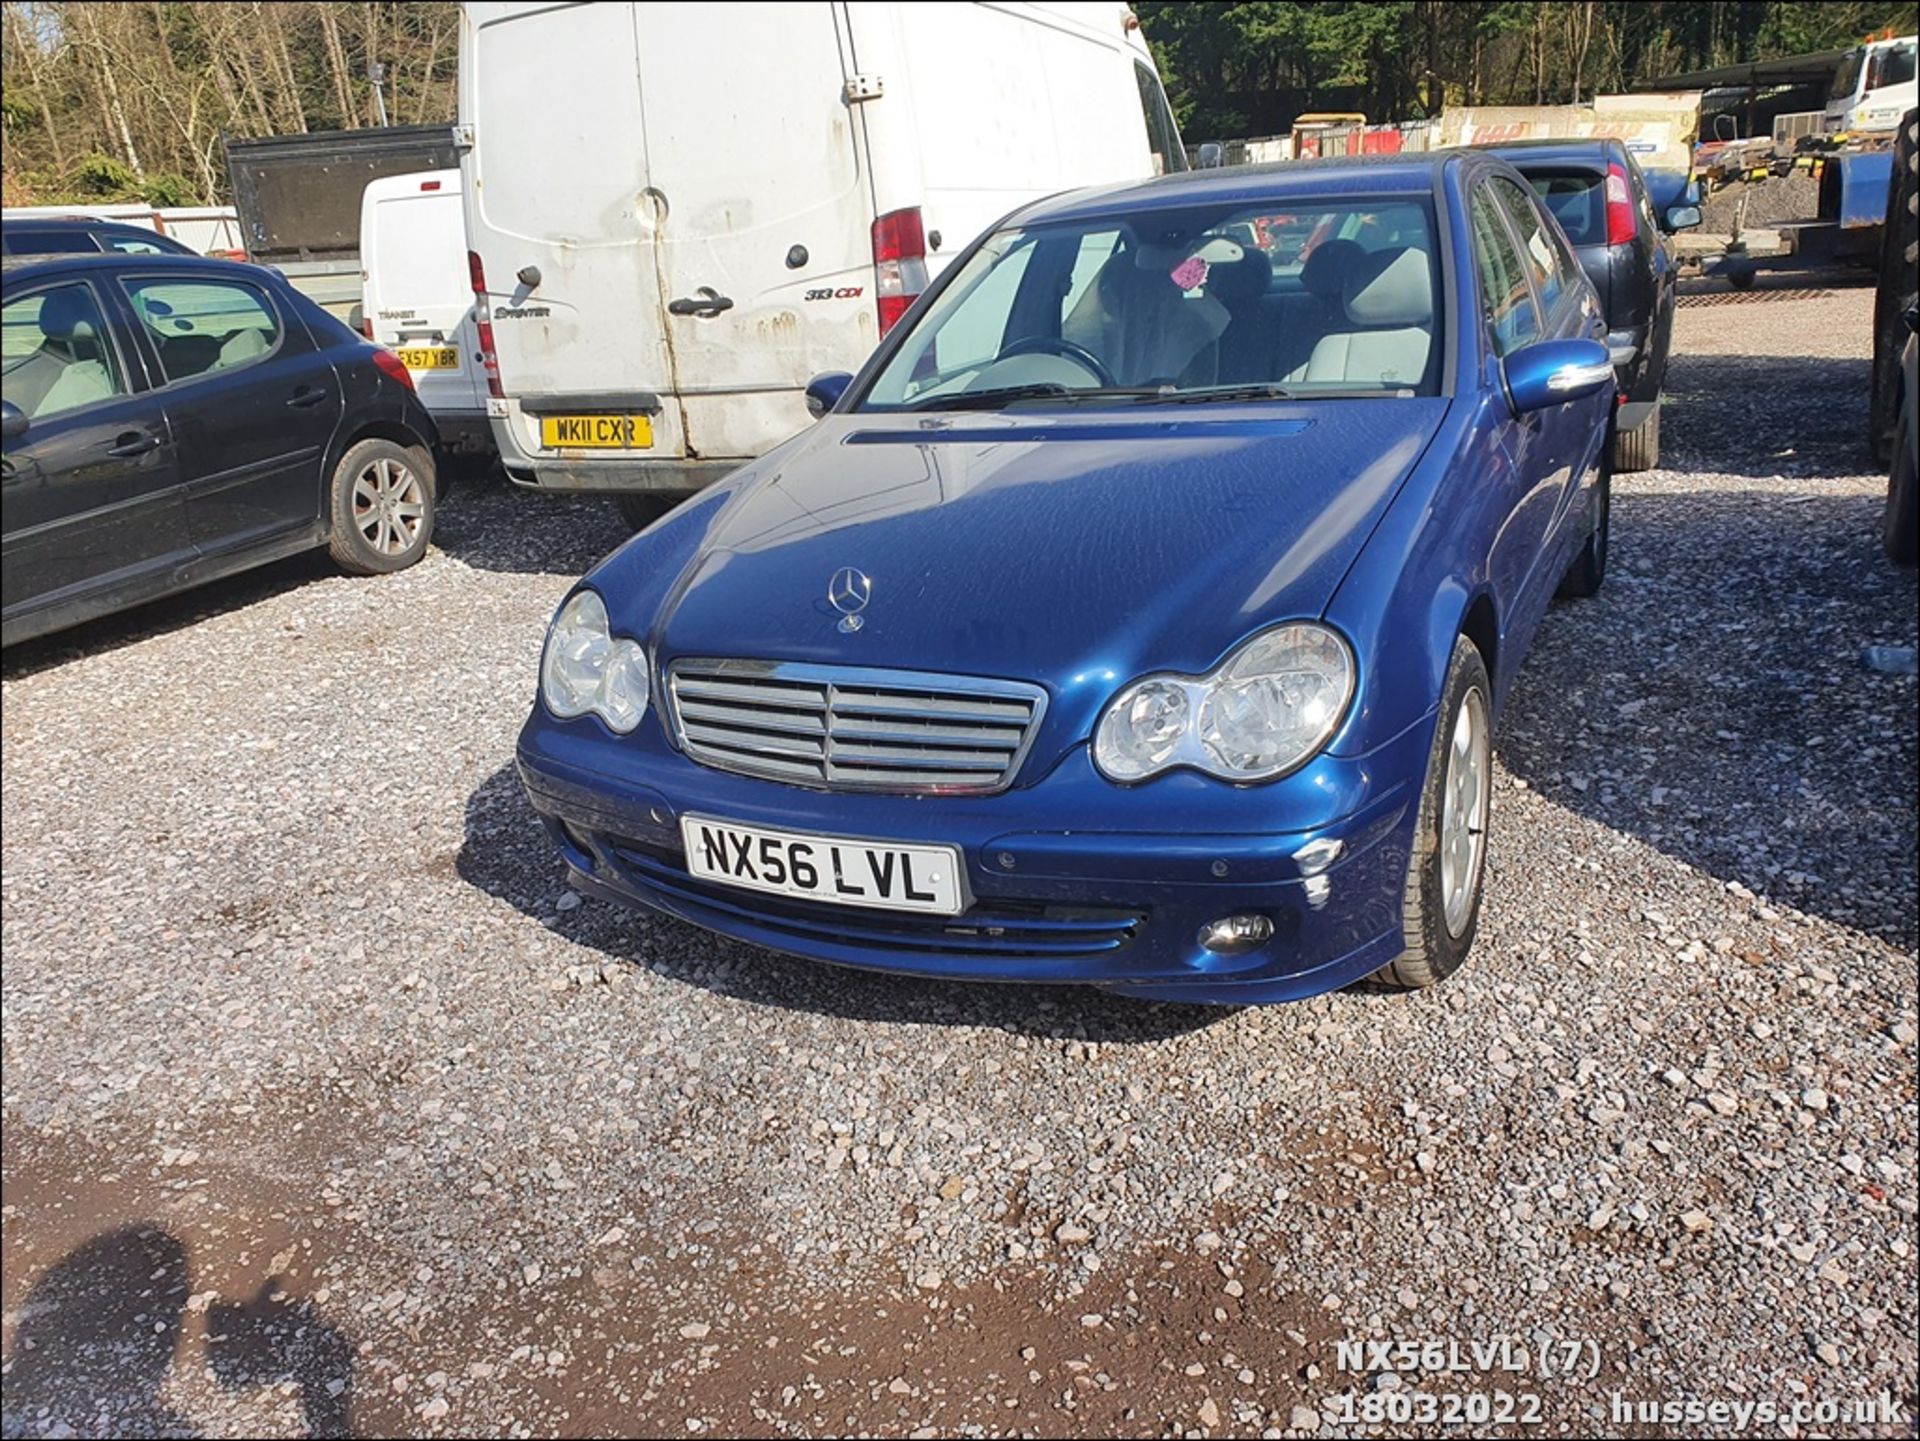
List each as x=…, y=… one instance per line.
x=851, y=728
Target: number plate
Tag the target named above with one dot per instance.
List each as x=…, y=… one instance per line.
x=834, y=869
x=429, y=357
x=596, y=432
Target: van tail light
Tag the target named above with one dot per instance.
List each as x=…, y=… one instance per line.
x=1620, y=226
x=899, y=263
x=483, y=325
x=388, y=364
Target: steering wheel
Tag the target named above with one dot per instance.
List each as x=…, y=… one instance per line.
x=1065, y=349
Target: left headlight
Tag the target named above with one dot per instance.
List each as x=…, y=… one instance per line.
x=1262, y=712
x=585, y=668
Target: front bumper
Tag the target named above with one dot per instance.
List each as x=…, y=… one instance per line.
x=1073, y=879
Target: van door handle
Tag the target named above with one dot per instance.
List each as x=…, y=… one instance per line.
x=133, y=443
x=705, y=301
x=308, y=395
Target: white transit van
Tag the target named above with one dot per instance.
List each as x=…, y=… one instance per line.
x=680, y=213
x=417, y=298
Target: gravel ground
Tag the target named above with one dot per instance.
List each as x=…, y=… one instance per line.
x=328, y=1107
x=1795, y=196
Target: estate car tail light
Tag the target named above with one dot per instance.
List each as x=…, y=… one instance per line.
x=483, y=325
x=388, y=364
x=1620, y=225
x=899, y=263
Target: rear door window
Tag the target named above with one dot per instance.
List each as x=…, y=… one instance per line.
x=1537, y=252
x=1506, y=301
x=203, y=327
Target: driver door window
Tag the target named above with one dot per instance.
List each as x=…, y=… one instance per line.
x=1506, y=301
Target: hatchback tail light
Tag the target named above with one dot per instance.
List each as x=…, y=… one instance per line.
x=1620, y=223
x=899, y=263
x=483, y=325
x=388, y=364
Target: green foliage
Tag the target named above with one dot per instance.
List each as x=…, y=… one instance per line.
x=168, y=189
x=101, y=177
x=1235, y=69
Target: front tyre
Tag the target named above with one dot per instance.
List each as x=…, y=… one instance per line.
x=1900, y=529
x=382, y=504
x=1441, y=906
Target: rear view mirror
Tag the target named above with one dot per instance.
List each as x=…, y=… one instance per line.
x=13, y=421
x=824, y=391
x=1553, y=372
x=1210, y=156
x=1683, y=217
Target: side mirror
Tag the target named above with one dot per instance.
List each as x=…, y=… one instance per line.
x=824, y=391
x=13, y=421
x=1683, y=217
x=1210, y=156
x=1912, y=316
x=1553, y=372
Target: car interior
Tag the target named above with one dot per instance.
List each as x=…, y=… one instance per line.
x=70, y=365
x=1350, y=307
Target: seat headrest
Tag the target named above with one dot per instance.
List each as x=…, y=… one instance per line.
x=1390, y=287
x=1327, y=266
x=1238, y=281
x=65, y=315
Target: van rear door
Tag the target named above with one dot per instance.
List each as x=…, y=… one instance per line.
x=561, y=212
x=764, y=236
x=419, y=302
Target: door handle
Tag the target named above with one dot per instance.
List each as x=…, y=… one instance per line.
x=133, y=443
x=705, y=301
x=308, y=395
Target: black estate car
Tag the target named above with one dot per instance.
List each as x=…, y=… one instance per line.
x=1598, y=193
x=83, y=235
x=169, y=420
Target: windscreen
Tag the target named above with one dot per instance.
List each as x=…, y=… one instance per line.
x=1578, y=200
x=1306, y=297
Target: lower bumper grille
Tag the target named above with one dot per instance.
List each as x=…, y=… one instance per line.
x=1004, y=928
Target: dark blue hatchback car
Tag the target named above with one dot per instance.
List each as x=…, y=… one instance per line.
x=1139, y=615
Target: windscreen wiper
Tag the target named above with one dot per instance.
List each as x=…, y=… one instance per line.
x=990, y=399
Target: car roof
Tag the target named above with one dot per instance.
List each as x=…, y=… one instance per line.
x=77, y=222
x=1592, y=150
x=1279, y=180
x=20, y=268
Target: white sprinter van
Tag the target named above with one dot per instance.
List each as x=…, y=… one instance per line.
x=680, y=213
x=417, y=298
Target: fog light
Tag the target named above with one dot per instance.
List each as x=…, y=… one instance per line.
x=1235, y=935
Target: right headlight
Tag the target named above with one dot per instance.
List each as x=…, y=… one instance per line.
x=584, y=668
x=1264, y=711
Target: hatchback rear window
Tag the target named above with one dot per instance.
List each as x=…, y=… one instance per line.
x=1578, y=200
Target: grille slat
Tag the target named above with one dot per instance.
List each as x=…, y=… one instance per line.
x=851, y=728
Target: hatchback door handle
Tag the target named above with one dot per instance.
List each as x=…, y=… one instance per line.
x=133, y=443
x=308, y=395
x=705, y=301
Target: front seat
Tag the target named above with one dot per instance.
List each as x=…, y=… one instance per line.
x=68, y=368
x=1388, y=337
x=1138, y=319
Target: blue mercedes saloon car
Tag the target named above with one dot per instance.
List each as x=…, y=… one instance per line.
x=1138, y=616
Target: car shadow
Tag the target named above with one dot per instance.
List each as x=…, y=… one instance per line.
x=507, y=854
x=1713, y=700
x=167, y=614
x=492, y=524
x=100, y=1331
x=1725, y=415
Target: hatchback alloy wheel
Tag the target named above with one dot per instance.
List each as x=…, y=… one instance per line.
x=389, y=505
